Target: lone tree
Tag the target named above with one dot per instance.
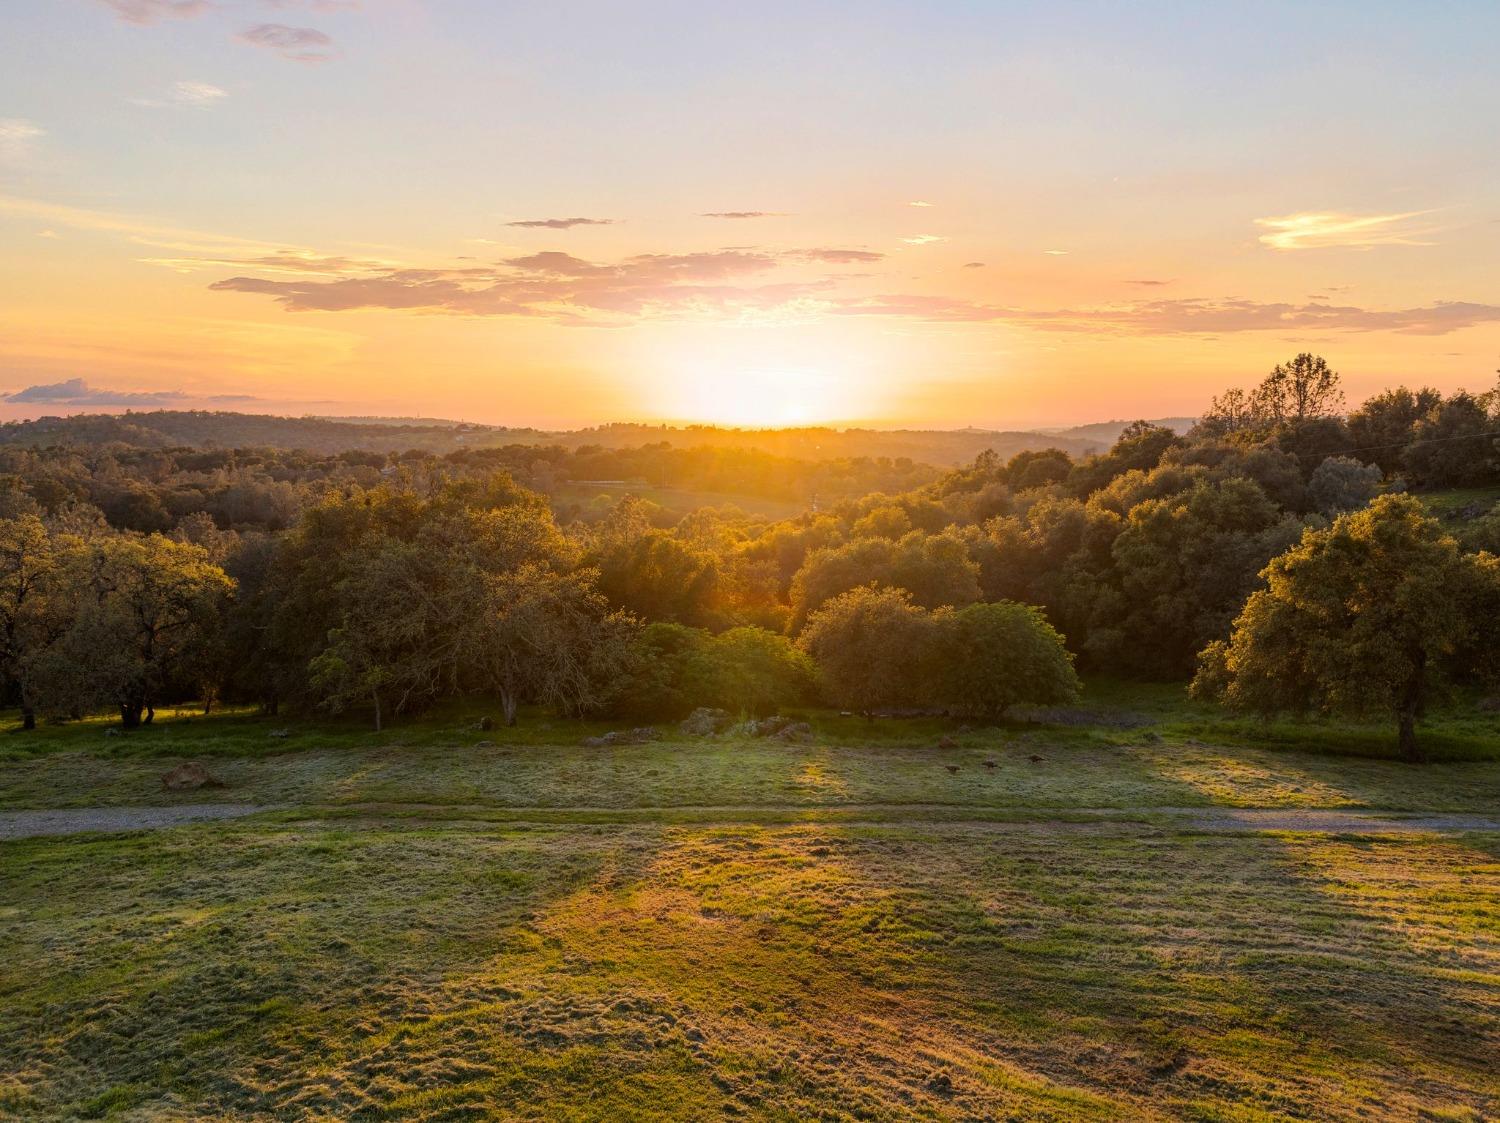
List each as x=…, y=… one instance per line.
x=871, y=646
x=1371, y=615
x=994, y=656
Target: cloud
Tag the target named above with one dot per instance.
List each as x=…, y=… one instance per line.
x=924, y=239
x=918, y=203
x=1056, y=253
x=286, y=261
x=741, y=283
x=17, y=137
x=197, y=93
x=300, y=44
x=77, y=392
x=143, y=12
x=1186, y=317
x=561, y=223
x=1312, y=230
x=973, y=265
x=317, y=5
x=743, y=214
x=1148, y=283
x=136, y=230
x=840, y=257
x=556, y=285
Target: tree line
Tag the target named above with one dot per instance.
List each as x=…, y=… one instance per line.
x=386, y=583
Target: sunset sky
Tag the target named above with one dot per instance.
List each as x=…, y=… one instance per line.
x=946, y=213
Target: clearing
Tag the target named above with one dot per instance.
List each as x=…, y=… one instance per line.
x=1151, y=922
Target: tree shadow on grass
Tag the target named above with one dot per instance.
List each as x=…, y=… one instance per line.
x=244, y=970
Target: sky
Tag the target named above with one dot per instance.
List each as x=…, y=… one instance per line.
x=896, y=214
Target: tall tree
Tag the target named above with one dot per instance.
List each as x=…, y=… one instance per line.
x=147, y=608
x=872, y=647
x=1370, y=615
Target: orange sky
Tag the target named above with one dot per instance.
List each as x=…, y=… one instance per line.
x=953, y=215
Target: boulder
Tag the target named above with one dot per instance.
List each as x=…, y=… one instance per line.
x=280, y=733
x=797, y=731
x=639, y=736
x=704, y=722
x=188, y=777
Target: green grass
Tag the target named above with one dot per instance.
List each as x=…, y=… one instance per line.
x=1447, y=504
x=429, y=972
x=430, y=929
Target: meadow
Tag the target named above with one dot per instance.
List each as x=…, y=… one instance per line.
x=1132, y=908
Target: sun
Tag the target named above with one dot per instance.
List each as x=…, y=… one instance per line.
x=756, y=397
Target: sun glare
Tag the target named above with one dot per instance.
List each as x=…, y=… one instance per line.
x=757, y=397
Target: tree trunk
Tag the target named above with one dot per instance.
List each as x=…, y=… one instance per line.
x=1412, y=705
x=508, y=706
x=1411, y=752
x=28, y=718
x=150, y=713
x=130, y=714
x=376, y=695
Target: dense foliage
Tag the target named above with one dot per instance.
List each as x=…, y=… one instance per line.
x=385, y=581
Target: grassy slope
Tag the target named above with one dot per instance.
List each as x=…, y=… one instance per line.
x=538, y=930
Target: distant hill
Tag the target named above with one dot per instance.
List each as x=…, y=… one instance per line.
x=217, y=429
x=1108, y=432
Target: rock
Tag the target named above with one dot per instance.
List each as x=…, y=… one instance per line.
x=639, y=736
x=1151, y=737
x=798, y=731
x=705, y=722
x=188, y=777
x=485, y=724
x=952, y=769
x=111, y=732
x=989, y=764
x=778, y=727
x=484, y=744
x=946, y=742
x=282, y=733
x=1036, y=759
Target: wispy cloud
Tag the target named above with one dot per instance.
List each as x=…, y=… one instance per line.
x=973, y=265
x=924, y=239
x=139, y=231
x=287, y=261
x=1147, y=283
x=144, y=12
x=743, y=214
x=196, y=95
x=1312, y=230
x=557, y=285
x=300, y=44
x=1186, y=317
x=918, y=203
x=77, y=392
x=1056, y=253
x=839, y=257
x=561, y=223
x=17, y=137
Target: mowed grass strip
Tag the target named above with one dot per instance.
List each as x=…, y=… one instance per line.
x=419, y=971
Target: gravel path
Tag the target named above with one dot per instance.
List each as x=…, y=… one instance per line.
x=29, y=824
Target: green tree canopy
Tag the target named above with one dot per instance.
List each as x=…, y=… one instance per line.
x=1368, y=616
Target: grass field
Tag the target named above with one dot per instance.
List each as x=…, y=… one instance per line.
x=426, y=928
